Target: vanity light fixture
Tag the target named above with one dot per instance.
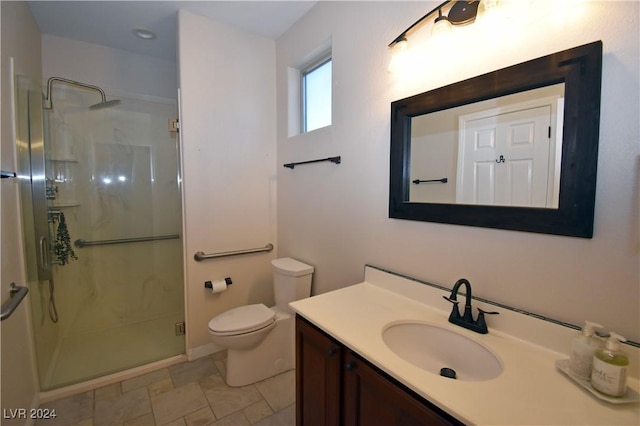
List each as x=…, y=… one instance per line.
x=463, y=12
x=460, y=12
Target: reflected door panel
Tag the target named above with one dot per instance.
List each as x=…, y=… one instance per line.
x=504, y=158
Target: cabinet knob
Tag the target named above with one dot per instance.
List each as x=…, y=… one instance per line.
x=332, y=351
x=350, y=366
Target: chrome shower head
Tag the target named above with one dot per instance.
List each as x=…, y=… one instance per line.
x=105, y=104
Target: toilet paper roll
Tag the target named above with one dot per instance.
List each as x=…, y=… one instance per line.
x=218, y=286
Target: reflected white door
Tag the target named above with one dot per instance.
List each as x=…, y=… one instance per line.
x=503, y=159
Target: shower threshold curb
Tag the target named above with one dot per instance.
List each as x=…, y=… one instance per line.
x=63, y=392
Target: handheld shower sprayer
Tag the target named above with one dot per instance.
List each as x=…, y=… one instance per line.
x=48, y=102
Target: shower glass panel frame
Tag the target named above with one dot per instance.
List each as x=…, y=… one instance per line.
x=112, y=179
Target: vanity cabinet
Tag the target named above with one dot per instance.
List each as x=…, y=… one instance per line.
x=336, y=386
x=318, y=376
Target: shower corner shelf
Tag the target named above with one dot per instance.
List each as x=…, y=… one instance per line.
x=70, y=204
x=64, y=160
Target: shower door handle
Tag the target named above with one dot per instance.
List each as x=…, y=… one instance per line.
x=44, y=253
x=16, y=294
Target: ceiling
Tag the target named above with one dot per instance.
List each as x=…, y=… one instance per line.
x=110, y=23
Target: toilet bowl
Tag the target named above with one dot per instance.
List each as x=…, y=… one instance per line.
x=243, y=327
x=260, y=341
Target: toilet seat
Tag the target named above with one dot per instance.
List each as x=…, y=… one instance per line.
x=241, y=320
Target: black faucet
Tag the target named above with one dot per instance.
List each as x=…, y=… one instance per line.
x=466, y=320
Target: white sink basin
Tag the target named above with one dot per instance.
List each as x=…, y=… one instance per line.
x=432, y=348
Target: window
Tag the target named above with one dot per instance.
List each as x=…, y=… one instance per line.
x=316, y=95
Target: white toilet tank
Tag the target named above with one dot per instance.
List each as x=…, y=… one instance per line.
x=291, y=281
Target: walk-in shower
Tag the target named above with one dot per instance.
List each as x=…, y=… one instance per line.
x=102, y=217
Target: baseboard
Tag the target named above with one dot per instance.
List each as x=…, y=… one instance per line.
x=204, y=350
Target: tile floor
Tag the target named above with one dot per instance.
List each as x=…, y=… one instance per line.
x=186, y=394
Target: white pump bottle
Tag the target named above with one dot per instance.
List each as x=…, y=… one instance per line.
x=583, y=346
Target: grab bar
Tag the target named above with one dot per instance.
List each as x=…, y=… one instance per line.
x=16, y=294
x=80, y=243
x=200, y=256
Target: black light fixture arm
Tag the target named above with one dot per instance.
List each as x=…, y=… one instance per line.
x=403, y=35
x=461, y=12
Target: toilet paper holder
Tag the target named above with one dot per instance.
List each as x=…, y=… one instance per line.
x=209, y=284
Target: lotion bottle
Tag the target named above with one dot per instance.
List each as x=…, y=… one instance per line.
x=583, y=346
x=609, y=372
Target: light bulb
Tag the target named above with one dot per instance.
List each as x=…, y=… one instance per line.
x=489, y=4
x=441, y=25
x=399, y=56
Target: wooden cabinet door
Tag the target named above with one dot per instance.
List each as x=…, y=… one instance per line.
x=318, y=378
x=371, y=399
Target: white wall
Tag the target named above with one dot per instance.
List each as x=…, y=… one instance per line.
x=21, y=41
x=335, y=217
x=111, y=69
x=227, y=86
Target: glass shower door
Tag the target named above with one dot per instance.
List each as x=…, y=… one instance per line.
x=114, y=213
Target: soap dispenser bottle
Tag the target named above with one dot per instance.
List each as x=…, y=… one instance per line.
x=609, y=372
x=583, y=346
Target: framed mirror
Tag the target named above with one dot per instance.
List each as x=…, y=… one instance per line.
x=513, y=149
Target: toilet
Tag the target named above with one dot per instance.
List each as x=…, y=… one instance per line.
x=260, y=341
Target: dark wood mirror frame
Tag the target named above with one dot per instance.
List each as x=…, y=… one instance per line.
x=580, y=69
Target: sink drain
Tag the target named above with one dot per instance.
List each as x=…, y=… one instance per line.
x=448, y=372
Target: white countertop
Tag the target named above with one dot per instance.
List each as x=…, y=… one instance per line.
x=530, y=390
